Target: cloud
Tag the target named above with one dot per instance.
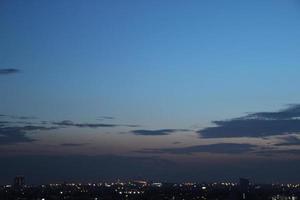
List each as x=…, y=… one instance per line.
x=17, y=134
x=36, y=128
x=176, y=142
x=14, y=132
x=275, y=152
x=289, y=141
x=261, y=124
x=17, y=117
x=293, y=111
x=73, y=144
x=9, y=135
x=12, y=120
x=106, y=118
x=63, y=123
x=159, y=132
x=219, y=148
x=8, y=71
x=295, y=152
x=5, y=122
x=89, y=125
x=83, y=125
x=24, y=117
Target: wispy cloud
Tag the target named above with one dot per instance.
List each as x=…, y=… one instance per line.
x=17, y=134
x=10, y=136
x=289, y=141
x=17, y=117
x=89, y=125
x=9, y=71
x=176, y=142
x=73, y=144
x=261, y=124
x=83, y=125
x=14, y=129
x=219, y=148
x=106, y=118
x=276, y=152
x=159, y=132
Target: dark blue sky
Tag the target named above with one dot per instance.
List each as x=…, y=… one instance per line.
x=212, y=81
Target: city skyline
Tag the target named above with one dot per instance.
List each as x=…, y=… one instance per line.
x=169, y=90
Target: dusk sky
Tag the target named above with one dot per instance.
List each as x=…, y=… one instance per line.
x=161, y=90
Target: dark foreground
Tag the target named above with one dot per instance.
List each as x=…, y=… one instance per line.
x=140, y=190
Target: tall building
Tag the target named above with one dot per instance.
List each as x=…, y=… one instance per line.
x=244, y=187
x=19, y=181
x=244, y=184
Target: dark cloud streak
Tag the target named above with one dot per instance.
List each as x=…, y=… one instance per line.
x=9, y=71
x=289, y=141
x=73, y=144
x=89, y=125
x=159, y=132
x=106, y=118
x=259, y=124
x=219, y=148
x=276, y=152
x=14, y=132
x=17, y=134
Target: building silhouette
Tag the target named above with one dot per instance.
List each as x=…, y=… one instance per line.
x=19, y=181
x=244, y=187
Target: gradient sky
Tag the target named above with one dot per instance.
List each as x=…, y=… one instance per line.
x=212, y=86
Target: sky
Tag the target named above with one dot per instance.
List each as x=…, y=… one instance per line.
x=158, y=90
